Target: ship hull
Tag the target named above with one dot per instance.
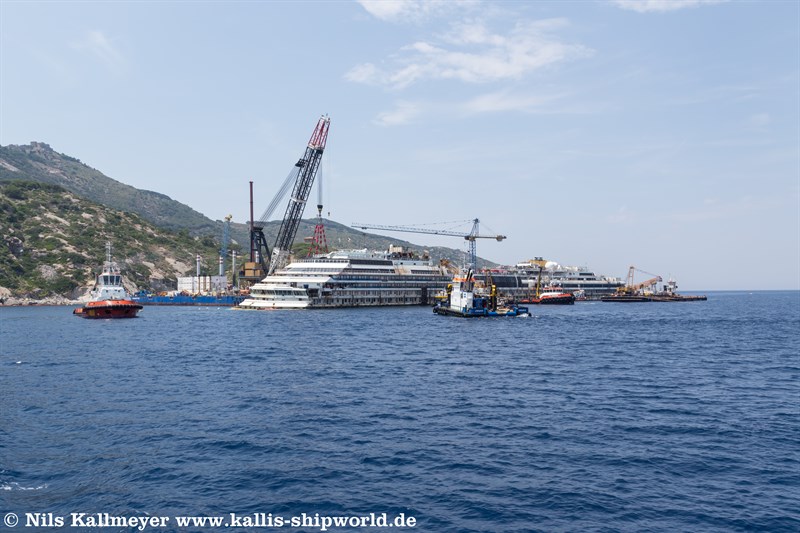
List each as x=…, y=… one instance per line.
x=272, y=304
x=180, y=299
x=626, y=299
x=481, y=313
x=678, y=298
x=108, y=309
x=655, y=298
x=561, y=299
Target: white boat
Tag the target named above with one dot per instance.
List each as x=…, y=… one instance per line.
x=109, y=299
x=350, y=278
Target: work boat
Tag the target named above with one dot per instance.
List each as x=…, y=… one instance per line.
x=109, y=299
x=462, y=301
x=554, y=295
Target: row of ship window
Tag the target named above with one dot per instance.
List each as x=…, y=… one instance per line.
x=331, y=271
x=389, y=278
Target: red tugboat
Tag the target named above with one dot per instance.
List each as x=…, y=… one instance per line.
x=553, y=294
x=109, y=299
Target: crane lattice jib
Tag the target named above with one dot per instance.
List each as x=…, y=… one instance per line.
x=471, y=236
x=308, y=164
x=411, y=229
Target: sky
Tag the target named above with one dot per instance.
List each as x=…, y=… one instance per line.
x=656, y=133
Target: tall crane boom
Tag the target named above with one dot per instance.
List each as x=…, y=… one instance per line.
x=635, y=288
x=308, y=166
x=471, y=236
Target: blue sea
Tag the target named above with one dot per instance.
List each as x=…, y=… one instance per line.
x=592, y=417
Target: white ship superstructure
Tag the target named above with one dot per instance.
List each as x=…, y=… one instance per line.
x=350, y=278
x=572, y=279
x=520, y=280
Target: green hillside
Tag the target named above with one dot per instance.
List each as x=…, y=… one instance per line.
x=54, y=243
x=38, y=162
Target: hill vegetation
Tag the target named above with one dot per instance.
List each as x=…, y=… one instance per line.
x=38, y=162
x=54, y=243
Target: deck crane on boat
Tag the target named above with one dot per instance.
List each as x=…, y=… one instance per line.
x=471, y=237
x=636, y=288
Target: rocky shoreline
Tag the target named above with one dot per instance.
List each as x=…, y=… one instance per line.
x=9, y=299
x=12, y=301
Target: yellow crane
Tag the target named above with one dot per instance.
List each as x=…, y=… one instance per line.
x=638, y=288
x=541, y=263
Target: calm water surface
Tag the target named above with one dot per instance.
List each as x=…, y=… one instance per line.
x=592, y=417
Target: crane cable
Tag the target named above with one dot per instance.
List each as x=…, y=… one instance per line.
x=287, y=184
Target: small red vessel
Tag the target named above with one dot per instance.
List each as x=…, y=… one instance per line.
x=554, y=296
x=551, y=295
x=109, y=299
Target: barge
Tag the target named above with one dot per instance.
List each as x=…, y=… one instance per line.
x=225, y=300
x=666, y=294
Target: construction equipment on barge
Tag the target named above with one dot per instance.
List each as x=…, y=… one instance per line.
x=646, y=291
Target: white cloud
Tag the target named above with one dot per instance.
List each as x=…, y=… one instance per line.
x=473, y=54
x=403, y=113
x=715, y=209
x=406, y=111
x=96, y=43
x=504, y=101
x=621, y=216
x=661, y=6
x=364, y=73
x=724, y=93
x=411, y=10
x=760, y=120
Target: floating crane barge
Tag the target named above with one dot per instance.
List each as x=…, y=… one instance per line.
x=645, y=291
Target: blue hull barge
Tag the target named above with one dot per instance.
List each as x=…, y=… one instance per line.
x=515, y=310
x=225, y=300
x=461, y=301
